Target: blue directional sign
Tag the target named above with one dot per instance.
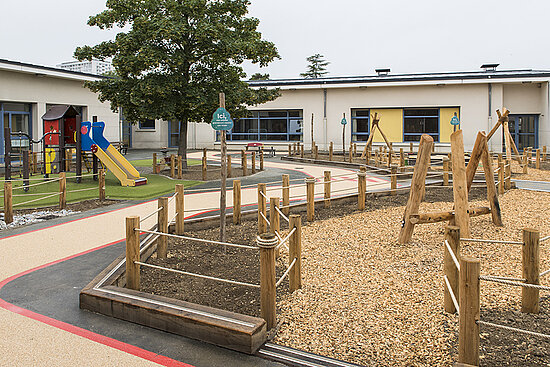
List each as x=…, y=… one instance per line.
x=455, y=121
x=221, y=120
x=343, y=122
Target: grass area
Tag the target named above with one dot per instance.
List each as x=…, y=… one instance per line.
x=156, y=186
x=149, y=162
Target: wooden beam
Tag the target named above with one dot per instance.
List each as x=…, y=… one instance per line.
x=460, y=185
x=492, y=195
x=468, y=328
x=445, y=215
x=474, y=159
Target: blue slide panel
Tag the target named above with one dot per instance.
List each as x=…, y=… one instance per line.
x=86, y=140
x=97, y=134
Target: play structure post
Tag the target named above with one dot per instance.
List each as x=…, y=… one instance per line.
x=361, y=190
x=101, y=184
x=236, y=201
x=68, y=158
x=262, y=208
x=310, y=188
x=253, y=163
x=155, y=163
x=394, y=180
x=537, y=162
x=531, y=269
x=62, y=190
x=501, y=177
x=460, y=184
x=180, y=168
x=327, y=185
x=132, y=253
x=95, y=165
x=162, y=222
x=228, y=165
x=330, y=151
x=286, y=194
x=203, y=167
x=267, y=243
x=445, y=171
x=452, y=235
x=262, y=159
x=244, y=163
x=274, y=218
x=295, y=252
x=8, y=204
x=468, y=328
x=180, y=209
x=507, y=174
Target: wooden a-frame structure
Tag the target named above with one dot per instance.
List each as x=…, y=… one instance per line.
x=508, y=141
x=375, y=124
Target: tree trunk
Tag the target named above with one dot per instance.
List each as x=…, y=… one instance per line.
x=182, y=142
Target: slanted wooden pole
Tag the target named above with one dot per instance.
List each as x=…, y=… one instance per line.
x=361, y=190
x=180, y=168
x=228, y=166
x=327, y=188
x=394, y=180
x=180, y=209
x=132, y=253
x=474, y=159
x=468, y=328
x=537, y=162
x=244, y=163
x=236, y=201
x=330, y=151
x=62, y=190
x=267, y=243
x=8, y=203
x=162, y=221
x=262, y=208
x=286, y=194
x=492, y=195
x=452, y=236
x=204, y=168
x=310, y=186
x=101, y=184
x=173, y=166
x=531, y=270
x=460, y=185
x=253, y=163
x=295, y=252
x=155, y=169
x=274, y=217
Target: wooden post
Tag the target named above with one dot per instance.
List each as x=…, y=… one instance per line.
x=468, y=329
x=544, y=153
x=445, y=171
x=35, y=162
x=262, y=208
x=295, y=252
x=471, y=168
x=261, y=159
x=289, y=150
x=327, y=188
x=302, y=151
x=501, y=177
x=394, y=180
x=316, y=152
x=361, y=190
x=286, y=194
x=310, y=184
x=223, y=174
x=452, y=236
x=62, y=190
x=180, y=209
x=132, y=253
x=8, y=203
x=507, y=174
x=537, y=162
x=236, y=201
x=180, y=168
x=253, y=163
x=531, y=269
x=101, y=184
x=68, y=157
x=173, y=166
x=26, y=172
x=244, y=163
x=529, y=155
x=274, y=217
x=492, y=195
x=228, y=165
x=350, y=152
x=155, y=163
x=267, y=243
x=411, y=148
x=525, y=162
x=354, y=150
x=330, y=151
x=460, y=185
x=417, y=184
x=401, y=157
x=204, y=168
x=162, y=217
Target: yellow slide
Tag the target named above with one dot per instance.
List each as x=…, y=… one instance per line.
x=121, y=168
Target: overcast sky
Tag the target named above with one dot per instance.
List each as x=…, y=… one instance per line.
x=356, y=36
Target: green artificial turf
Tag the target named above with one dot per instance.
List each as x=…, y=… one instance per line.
x=149, y=162
x=156, y=186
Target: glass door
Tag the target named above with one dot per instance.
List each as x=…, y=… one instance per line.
x=524, y=131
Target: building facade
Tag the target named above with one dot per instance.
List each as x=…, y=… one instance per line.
x=96, y=67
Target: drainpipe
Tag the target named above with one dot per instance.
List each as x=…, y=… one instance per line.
x=325, y=117
x=489, y=112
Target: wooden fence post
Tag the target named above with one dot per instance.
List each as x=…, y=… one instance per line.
x=68, y=158
x=445, y=171
x=354, y=150
x=501, y=177
x=537, y=162
x=35, y=161
x=330, y=151
x=316, y=152
x=302, y=151
x=236, y=201
x=544, y=153
x=228, y=165
x=244, y=163
x=173, y=166
x=162, y=217
x=253, y=163
x=295, y=252
x=525, y=162
x=508, y=174
x=529, y=155
x=361, y=190
x=262, y=159
x=180, y=168
x=327, y=185
x=286, y=194
x=394, y=180
x=289, y=150
x=267, y=243
x=204, y=168
x=62, y=190
x=132, y=253
x=8, y=203
x=180, y=209
x=401, y=158
x=310, y=185
x=350, y=154
x=155, y=163
x=468, y=329
x=452, y=236
x=460, y=184
x=262, y=208
x=101, y=183
x=411, y=148
x=274, y=217
x=531, y=269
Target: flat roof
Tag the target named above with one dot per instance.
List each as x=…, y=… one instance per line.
x=46, y=70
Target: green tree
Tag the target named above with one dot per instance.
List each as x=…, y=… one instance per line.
x=177, y=56
x=317, y=67
x=259, y=76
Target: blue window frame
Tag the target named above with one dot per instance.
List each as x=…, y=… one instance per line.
x=418, y=121
x=360, y=124
x=147, y=124
x=173, y=133
x=524, y=130
x=273, y=125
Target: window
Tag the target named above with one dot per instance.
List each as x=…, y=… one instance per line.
x=147, y=124
x=418, y=121
x=277, y=125
x=360, y=124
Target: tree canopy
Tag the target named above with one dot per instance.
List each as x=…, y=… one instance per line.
x=177, y=56
x=316, y=68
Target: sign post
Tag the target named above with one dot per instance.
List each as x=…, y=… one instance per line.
x=344, y=122
x=455, y=122
x=221, y=121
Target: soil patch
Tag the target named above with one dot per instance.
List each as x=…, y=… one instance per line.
x=81, y=206
x=194, y=173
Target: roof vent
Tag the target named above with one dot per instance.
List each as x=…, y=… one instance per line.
x=382, y=72
x=489, y=67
